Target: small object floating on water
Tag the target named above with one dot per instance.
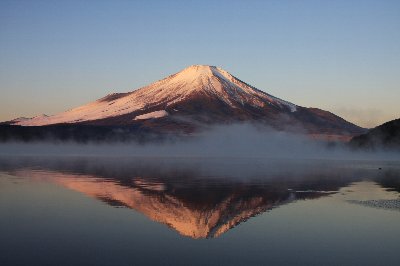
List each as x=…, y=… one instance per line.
x=380, y=168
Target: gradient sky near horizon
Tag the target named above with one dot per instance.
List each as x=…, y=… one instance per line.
x=341, y=56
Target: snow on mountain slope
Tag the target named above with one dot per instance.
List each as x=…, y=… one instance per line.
x=155, y=114
x=195, y=79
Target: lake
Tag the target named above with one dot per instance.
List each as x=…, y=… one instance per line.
x=71, y=210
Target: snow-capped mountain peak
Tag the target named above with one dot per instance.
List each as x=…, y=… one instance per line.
x=196, y=79
x=193, y=98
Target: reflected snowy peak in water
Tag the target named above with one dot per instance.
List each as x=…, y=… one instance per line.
x=194, y=197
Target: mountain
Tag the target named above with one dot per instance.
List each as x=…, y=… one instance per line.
x=385, y=136
x=195, y=97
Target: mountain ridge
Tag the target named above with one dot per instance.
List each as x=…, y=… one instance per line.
x=199, y=94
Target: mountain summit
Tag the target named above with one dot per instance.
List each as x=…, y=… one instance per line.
x=195, y=96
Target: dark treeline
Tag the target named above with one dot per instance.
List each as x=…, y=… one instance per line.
x=386, y=136
x=240, y=136
x=79, y=133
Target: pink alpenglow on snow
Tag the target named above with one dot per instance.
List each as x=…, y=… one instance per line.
x=168, y=91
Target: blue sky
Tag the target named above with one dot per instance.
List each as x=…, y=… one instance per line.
x=341, y=56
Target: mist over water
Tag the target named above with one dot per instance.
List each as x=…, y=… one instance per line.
x=163, y=210
x=271, y=197
x=235, y=141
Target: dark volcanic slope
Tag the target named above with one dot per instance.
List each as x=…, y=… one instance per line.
x=386, y=136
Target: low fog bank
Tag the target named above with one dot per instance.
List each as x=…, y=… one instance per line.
x=238, y=141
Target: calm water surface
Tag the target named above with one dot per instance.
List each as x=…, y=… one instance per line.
x=158, y=211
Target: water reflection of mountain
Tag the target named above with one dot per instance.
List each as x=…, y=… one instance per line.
x=181, y=196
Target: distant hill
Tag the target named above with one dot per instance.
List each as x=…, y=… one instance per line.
x=385, y=136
